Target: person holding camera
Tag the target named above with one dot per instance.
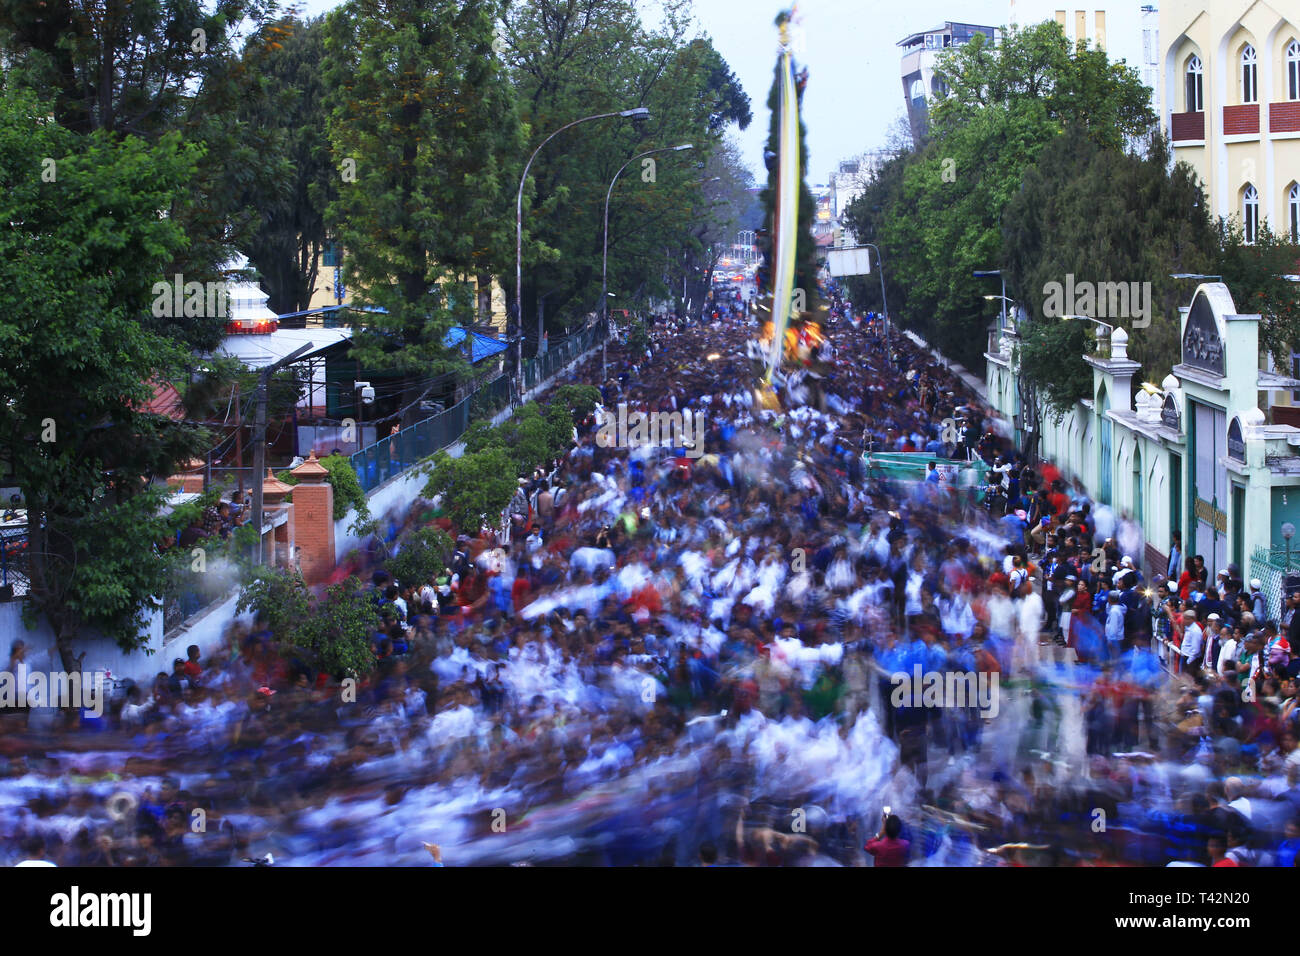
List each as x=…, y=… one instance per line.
x=888, y=848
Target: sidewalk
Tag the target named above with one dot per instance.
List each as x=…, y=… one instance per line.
x=974, y=382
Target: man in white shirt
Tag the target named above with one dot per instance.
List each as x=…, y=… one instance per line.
x=1193, y=643
x=1030, y=614
x=1227, y=652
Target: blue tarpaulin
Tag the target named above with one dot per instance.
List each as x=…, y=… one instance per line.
x=481, y=346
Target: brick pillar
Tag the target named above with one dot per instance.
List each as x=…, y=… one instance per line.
x=313, y=520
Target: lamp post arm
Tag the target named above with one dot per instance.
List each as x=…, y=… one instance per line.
x=519, y=243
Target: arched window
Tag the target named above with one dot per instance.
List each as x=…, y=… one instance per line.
x=1293, y=211
x=1293, y=70
x=1195, y=99
x=1250, y=213
x=1249, y=75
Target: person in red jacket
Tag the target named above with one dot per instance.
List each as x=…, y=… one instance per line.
x=521, y=592
x=887, y=848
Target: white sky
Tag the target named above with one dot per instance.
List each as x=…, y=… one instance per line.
x=854, y=92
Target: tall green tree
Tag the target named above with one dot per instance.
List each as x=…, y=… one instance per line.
x=1004, y=105
x=146, y=68
x=422, y=129
x=1102, y=215
x=77, y=263
x=574, y=58
x=286, y=244
x=1254, y=273
x=865, y=217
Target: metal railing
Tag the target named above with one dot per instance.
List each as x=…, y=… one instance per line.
x=559, y=356
x=13, y=563
x=394, y=454
x=391, y=456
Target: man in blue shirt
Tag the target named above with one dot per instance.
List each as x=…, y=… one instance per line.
x=1014, y=526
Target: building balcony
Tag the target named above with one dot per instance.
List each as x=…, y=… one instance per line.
x=1187, y=126
x=1284, y=117
x=1241, y=120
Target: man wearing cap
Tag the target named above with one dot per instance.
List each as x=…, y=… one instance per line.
x=1227, y=652
x=1213, y=630
x=1127, y=564
x=1258, y=602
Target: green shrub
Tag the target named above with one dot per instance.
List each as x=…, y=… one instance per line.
x=475, y=487
x=423, y=553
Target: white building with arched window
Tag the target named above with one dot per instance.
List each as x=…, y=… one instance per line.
x=1230, y=103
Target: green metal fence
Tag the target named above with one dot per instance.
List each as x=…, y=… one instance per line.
x=391, y=456
x=1272, y=573
x=557, y=358
x=394, y=454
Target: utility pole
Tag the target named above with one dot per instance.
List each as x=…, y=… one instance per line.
x=259, y=437
x=239, y=441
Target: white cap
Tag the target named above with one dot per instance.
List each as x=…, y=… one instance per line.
x=1222, y=574
x=1254, y=584
x=1212, y=617
x=1126, y=561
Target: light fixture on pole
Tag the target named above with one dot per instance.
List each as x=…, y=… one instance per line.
x=1108, y=328
x=604, y=257
x=1004, y=299
x=884, y=301
x=982, y=273
x=638, y=115
x=1288, y=532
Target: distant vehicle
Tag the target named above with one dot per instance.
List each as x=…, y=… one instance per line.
x=738, y=277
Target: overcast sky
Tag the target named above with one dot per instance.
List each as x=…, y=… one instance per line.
x=854, y=92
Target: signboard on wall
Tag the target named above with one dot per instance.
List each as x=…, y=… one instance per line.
x=1216, y=518
x=1202, y=344
x=1236, y=444
x=1169, y=416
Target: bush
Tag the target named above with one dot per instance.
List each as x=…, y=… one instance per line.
x=423, y=553
x=281, y=596
x=338, y=633
x=638, y=338
x=475, y=487
x=347, y=487
x=580, y=400
x=335, y=631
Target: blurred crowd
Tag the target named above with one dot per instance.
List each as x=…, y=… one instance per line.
x=689, y=659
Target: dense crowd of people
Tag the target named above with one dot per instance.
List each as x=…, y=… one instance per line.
x=689, y=656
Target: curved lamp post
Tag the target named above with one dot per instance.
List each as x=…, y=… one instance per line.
x=604, y=259
x=639, y=114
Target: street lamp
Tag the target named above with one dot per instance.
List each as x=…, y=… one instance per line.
x=604, y=258
x=639, y=114
x=1005, y=300
x=1193, y=275
x=1087, y=318
x=883, y=300
x=981, y=273
x=1288, y=532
